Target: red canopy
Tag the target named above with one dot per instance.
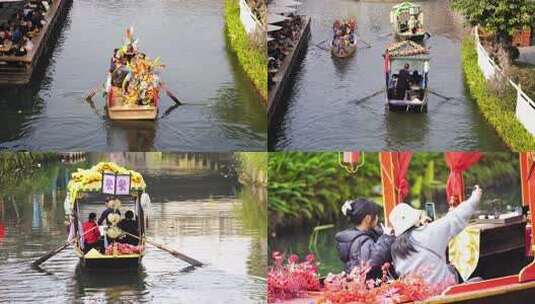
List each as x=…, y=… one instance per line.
x=458, y=162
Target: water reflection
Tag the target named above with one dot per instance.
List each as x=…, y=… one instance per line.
x=198, y=209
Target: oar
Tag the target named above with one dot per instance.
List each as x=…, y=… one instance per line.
x=183, y=257
x=441, y=96
x=359, y=101
x=52, y=253
x=92, y=93
x=177, y=254
x=364, y=41
x=170, y=94
x=55, y=251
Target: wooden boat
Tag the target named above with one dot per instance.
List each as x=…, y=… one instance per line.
x=86, y=194
x=415, y=98
x=346, y=51
x=118, y=110
x=400, y=18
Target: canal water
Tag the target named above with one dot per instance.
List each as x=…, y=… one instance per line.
x=498, y=198
x=197, y=209
x=222, y=110
x=327, y=109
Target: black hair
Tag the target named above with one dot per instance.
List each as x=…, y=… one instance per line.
x=360, y=208
x=92, y=216
x=403, y=246
x=129, y=214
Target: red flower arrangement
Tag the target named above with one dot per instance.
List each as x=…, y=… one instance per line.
x=121, y=248
x=293, y=279
x=296, y=279
x=354, y=288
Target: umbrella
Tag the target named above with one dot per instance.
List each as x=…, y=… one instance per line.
x=285, y=3
x=273, y=28
x=274, y=18
x=281, y=9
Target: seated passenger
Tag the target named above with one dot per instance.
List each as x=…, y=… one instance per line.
x=416, y=78
x=91, y=233
x=129, y=225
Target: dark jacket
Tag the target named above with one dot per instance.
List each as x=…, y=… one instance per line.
x=129, y=226
x=403, y=79
x=104, y=216
x=356, y=247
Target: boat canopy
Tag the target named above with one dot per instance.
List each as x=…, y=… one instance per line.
x=109, y=173
x=406, y=7
x=407, y=50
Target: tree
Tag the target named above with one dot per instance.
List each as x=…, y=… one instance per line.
x=502, y=17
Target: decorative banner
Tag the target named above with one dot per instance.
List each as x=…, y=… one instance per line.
x=108, y=183
x=463, y=251
x=122, y=184
x=116, y=184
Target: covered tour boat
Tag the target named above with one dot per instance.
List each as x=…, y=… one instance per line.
x=87, y=192
x=407, y=21
x=133, y=85
x=406, y=74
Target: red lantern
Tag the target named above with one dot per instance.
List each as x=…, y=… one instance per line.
x=351, y=161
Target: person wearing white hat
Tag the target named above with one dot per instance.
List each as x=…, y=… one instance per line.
x=420, y=246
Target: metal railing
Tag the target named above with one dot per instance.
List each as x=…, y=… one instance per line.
x=248, y=18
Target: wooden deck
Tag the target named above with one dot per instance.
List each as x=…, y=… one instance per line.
x=19, y=69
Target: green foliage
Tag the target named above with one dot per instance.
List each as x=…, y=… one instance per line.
x=500, y=16
x=496, y=109
x=253, y=167
x=20, y=175
x=252, y=58
x=309, y=188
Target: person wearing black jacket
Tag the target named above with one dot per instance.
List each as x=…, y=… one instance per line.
x=404, y=81
x=106, y=212
x=362, y=244
x=129, y=225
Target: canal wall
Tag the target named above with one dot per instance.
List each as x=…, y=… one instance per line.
x=252, y=59
x=282, y=77
x=497, y=110
x=19, y=69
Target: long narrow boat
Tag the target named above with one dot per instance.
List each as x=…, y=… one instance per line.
x=400, y=18
x=87, y=191
x=135, y=92
x=344, y=51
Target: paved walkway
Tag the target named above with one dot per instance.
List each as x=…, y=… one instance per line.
x=527, y=55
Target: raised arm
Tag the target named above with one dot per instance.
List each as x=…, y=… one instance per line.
x=456, y=220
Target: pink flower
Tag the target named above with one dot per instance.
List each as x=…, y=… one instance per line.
x=293, y=259
x=310, y=258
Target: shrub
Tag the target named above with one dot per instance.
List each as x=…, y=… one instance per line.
x=496, y=110
x=252, y=57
